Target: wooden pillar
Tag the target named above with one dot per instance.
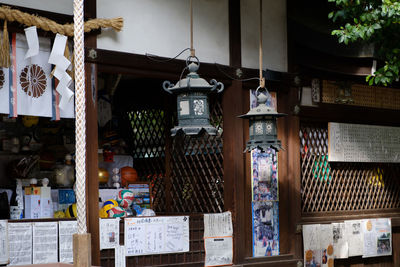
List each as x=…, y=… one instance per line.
x=232, y=103
x=92, y=181
x=82, y=250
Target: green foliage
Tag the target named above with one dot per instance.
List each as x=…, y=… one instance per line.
x=372, y=21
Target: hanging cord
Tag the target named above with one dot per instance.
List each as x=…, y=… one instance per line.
x=262, y=80
x=232, y=78
x=192, y=52
x=154, y=57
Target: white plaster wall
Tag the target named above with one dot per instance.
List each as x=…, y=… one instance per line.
x=58, y=6
x=161, y=27
x=274, y=34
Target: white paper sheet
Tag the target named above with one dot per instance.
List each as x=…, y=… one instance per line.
x=120, y=259
x=34, y=85
x=326, y=244
x=45, y=242
x=368, y=228
x=32, y=40
x=218, y=224
x=58, y=48
x=383, y=230
x=20, y=243
x=219, y=251
x=340, y=244
x=3, y=242
x=311, y=244
x=156, y=235
x=4, y=91
x=355, y=237
x=109, y=233
x=66, y=230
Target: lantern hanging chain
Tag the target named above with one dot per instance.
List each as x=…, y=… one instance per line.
x=192, y=52
x=262, y=80
x=80, y=120
x=154, y=57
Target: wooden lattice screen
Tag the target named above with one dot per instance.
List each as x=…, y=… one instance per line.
x=197, y=169
x=196, y=162
x=335, y=187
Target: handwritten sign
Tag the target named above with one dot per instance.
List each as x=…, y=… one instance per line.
x=363, y=143
x=156, y=235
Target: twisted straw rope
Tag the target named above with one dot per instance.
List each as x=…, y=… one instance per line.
x=80, y=117
x=6, y=13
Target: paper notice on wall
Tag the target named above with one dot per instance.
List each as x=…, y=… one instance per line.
x=219, y=251
x=66, y=230
x=120, y=259
x=3, y=242
x=218, y=224
x=109, y=233
x=218, y=244
x=355, y=237
x=156, y=235
x=377, y=237
x=20, y=243
x=45, y=242
x=326, y=244
x=311, y=243
x=340, y=244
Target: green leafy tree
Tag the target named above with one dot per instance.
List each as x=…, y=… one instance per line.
x=372, y=21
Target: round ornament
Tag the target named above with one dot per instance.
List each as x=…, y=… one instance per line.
x=33, y=80
x=71, y=211
x=116, y=212
x=125, y=198
x=109, y=204
x=103, y=176
x=128, y=175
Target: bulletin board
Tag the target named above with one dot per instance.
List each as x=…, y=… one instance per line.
x=363, y=143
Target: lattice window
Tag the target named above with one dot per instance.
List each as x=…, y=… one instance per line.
x=197, y=169
x=196, y=162
x=332, y=187
x=148, y=127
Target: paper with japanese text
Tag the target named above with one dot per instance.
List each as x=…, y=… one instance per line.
x=3, y=242
x=45, y=242
x=109, y=233
x=20, y=243
x=66, y=231
x=156, y=235
x=355, y=237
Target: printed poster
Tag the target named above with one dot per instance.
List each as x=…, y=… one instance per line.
x=218, y=242
x=326, y=244
x=156, y=235
x=20, y=243
x=265, y=228
x=312, y=246
x=66, y=231
x=33, y=83
x=109, y=233
x=264, y=175
x=45, y=242
x=377, y=237
x=340, y=244
x=355, y=237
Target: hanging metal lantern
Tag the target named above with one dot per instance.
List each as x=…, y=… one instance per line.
x=262, y=125
x=192, y=101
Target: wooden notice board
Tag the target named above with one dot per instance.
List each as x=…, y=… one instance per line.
x=363, y=143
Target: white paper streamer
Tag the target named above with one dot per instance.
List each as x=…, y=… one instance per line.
x=64, y=91
x=33, y=42
x=62, y=63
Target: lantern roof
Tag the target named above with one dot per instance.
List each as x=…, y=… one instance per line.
x=193, y=82
x=262, y=109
